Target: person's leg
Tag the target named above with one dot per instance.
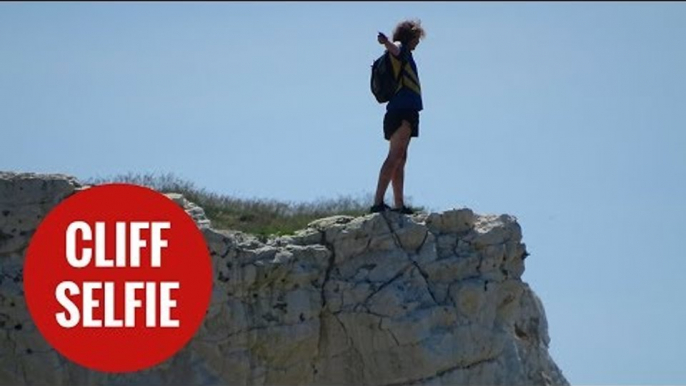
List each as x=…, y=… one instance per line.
x=396, y=154
x=398, y=180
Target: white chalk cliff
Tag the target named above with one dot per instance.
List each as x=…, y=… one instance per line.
x=382, y=299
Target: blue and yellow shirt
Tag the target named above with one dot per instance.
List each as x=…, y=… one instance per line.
x=409, y=95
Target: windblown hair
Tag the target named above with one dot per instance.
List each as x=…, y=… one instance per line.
x=407, y=30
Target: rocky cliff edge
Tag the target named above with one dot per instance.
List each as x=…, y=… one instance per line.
x=382, y=299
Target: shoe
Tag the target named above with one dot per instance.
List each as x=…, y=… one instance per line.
x=379, y=208
x=404, y=210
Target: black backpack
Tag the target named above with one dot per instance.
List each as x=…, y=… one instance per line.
x=384, y=84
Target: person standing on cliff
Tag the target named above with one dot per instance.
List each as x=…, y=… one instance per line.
x=401, y=121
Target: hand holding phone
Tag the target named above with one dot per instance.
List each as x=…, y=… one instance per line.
x=382, y=38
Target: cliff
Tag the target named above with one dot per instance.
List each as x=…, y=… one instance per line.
x=383, y=299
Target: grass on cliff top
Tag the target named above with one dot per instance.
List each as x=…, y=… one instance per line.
x=256, y=216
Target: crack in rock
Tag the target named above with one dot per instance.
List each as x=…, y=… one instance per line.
x=424, y=275
x=447, y=371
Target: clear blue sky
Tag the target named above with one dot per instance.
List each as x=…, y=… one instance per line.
x=570, y=116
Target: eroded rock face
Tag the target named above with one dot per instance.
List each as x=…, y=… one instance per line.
x=383, y=299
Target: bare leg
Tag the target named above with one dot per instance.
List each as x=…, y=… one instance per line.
x=397, y=153
x=398, y=182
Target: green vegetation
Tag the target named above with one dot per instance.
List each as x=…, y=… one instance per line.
x=257, y=216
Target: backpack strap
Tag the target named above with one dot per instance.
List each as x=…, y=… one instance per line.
x=403, y=63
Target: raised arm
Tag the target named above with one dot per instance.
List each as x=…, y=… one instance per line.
x=393, y=48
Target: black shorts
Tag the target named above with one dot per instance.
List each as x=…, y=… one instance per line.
x=394, y=118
